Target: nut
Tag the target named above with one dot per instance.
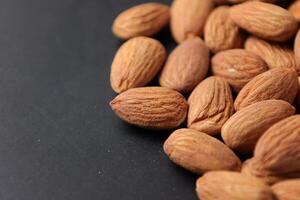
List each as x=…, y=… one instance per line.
x=287, y=190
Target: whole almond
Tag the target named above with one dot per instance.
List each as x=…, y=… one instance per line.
x=136, y=63
x=237, y=66
x=221, y=185
x=277, y=83
x=265, y=20
x=220, y=33
x=142, y=20
x=188, y=19
x=297, y=51
x=295, y=9
x=151, y=107
x=274, y=54
x=186, y=66
x=287, y=190
x=245, y=127
x=199, y=152
x=210, y=105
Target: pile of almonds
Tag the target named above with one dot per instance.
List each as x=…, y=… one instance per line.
x=241, y=81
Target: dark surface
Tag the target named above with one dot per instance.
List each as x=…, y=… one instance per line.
x=59, y=139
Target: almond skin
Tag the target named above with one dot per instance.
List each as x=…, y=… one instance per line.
x=188, y=19
x=199, y=152
x=136, y=63
x=295, y=10
x=274, y=54
x=210, y=105
x=142, y=20
x=265, y=20
x=237, y=66
x=297, y=51
x=240, y=1
x=151, y=107
x=287, y=190
x=220, y=185
x=277, y=83
x=298, y=96
x=220, y=33
x=186, y=66
x=245, y=127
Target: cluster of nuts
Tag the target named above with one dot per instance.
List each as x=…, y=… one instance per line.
x=249, y=99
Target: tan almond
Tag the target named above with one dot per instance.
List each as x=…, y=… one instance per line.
x=142, y=20
x=186, y=66
x=265, y=20
x=274, y=54
x=287, y=190
x=136, y=63
x=220, y=33
x=151, y=107
x=297, y=51
x=199, y=152
x=277, y=83
x=245, y=127
x=210, y=105
x=295, y=9
x=237, y=66
x=221, y=185
x=188, y=19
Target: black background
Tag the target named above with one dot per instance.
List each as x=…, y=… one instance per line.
x=59, y=140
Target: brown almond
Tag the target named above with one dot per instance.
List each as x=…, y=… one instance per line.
x=295, y=9
x=186, y=66
x=151, y=107
x=221, y=185
x=199, y=152
x=220, y=33
x=245, y=127
x=188, y=19
x=287, y=190
x=265, y=20
x=274, y=54
x=297, y=51
x=237, y=66
x=142, y=20
x=136, y=63
x=210, y=105
x=277, y=83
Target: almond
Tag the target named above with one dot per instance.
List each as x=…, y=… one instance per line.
x=295, y=9
x=142, y=20
x=297, y=51
x=237, y=66
x=210, y=105
x=240, y=1
x=265, y=20
x=220, y=185
x=274, y=54
x=188, y=19
x=298, y=96
x=277, y=83
x=287, y=190
x=220, y=33
x=151, y=107
x=186, y=66
x=199, y=152
x=245, y=127
x=136, y=63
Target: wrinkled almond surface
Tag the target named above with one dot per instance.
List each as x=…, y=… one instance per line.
x=199, y=152
x=151, y=107
x=287, y=190
x=186, y=66
x=136, y=63
x=142, y=20
x=210, y=105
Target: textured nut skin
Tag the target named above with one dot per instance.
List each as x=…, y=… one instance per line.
x=277, y=83
x=298, y=96
x=245, y=127
x=295, y=10
x=151, y=107
x=240, y=1
x=297, y=51
x=220, y=185
x=199, y=152
x=189, y=18
x=220, y=32
x=237, y=66
x=142, y=20
x=136, y=63
x=287, y=190
x=210, y=105
x=265, y=20
x=274, y=54
x=186, y=66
